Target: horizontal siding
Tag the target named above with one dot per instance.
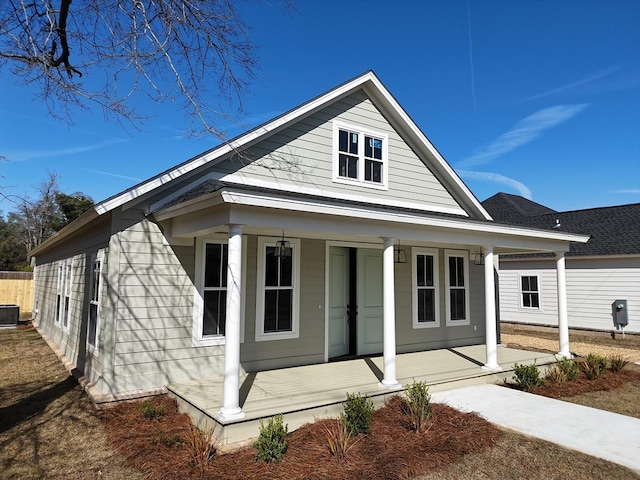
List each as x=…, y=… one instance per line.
x=302, y=154
x=592, y=286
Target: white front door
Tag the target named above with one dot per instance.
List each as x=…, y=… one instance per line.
x=369, y=301
x=338, y=300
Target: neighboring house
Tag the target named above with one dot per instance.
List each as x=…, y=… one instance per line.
x=277, y=249
x=599, y=272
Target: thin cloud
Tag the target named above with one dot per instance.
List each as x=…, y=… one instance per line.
x=634, y=191
x=587, y=79
x=26, y=155
x=520, y=187
x=117, y=175
x=524, y=132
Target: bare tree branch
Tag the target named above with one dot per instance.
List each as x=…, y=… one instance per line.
x=110, y=53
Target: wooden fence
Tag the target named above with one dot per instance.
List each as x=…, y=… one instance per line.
x=16, y=288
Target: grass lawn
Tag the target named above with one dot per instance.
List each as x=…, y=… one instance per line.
x=50, y=430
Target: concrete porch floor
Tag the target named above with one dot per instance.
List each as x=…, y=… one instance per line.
x=305, y=393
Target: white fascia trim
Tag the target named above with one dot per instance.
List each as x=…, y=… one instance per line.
x=569, y=258
x=226, y=148
x=426, y=143
x=238, y=197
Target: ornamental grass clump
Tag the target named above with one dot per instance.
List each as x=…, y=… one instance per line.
x=202, y=446
x=593, y=366
x=338, y=437
x=271, y=444
x=527, y=377
x=358, y=412
x=617, y=363
x=564, y=370
x=417, y=405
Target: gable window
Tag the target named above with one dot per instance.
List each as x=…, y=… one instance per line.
x=529, y=291
x=210, y=293
x=457, y=282
x=277, y=309
x=360, y=156
x=425, y=288
x=94, y=302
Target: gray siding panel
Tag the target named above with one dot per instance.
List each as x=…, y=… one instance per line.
x=302, y=155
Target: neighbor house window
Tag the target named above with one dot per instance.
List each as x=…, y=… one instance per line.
x=210, y=297
x=457, y=282
x=94, y=303
x=529, y=291
x=425, y=288
x=360, y=156
x=277, y=310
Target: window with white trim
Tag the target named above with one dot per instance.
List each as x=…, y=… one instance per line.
x=93, y=323
x=278, y=292
x=529, y=292
x=426, y=304
x=59, y=292
x=457, y=283
x=360, y=156
x=215, y=289
x=67, y=286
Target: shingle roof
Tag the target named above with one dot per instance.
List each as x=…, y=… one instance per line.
x=614, y=230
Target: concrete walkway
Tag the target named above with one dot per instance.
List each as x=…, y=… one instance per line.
x=588, y=430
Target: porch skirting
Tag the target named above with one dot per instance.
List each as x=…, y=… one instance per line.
x=305, y=393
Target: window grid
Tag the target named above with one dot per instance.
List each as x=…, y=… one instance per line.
x=215, y=289
x=530, y=292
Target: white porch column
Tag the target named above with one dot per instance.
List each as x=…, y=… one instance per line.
x=231, y=389
x=388, y=316
x=490, y=311
x=563, y=321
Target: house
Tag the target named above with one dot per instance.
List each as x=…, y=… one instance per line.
x=598, y=273
x=334, y=230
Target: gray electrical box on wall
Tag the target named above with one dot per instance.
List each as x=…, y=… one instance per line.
x=620, y=314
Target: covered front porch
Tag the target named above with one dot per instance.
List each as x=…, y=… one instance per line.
x=305, y=393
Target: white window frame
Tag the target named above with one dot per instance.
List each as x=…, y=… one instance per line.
x=360, y=181
x=260, y=335
x=433, y=252
x=67, y=297
x=465, y=256
x=99, y=256
x=522, y=292
x=197, y=338
x=59, y=294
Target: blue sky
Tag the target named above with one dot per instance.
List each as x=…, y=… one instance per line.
x=537, y=98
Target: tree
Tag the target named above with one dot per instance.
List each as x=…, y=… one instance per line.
x=36, y=220
x=132, y=46
x=12, y=251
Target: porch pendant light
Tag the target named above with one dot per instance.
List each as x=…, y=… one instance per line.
x=479, y=258
x=399, y=255
x=283, y=248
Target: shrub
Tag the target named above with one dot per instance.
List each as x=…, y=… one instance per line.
x=417, y=405
x=617, y=363
x=358, y=412
x=527, y=376
x=593, y=366
x=338, y=437
x=167, y=440
x=271, y=444
x=569, y=368
x=150, y=410
x=202, y=446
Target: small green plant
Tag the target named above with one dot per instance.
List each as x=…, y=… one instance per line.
x=339, y=439
x=617, y=363
x=417, y=404
x=358, y=412
x=593, y=366
x=271, y=444
x=569, y=368
x=202, y=446
x=150, y=410
x=527, y=376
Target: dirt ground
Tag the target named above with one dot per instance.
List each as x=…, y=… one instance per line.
x=49, y=430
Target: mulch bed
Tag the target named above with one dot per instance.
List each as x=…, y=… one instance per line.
x=390, y=451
